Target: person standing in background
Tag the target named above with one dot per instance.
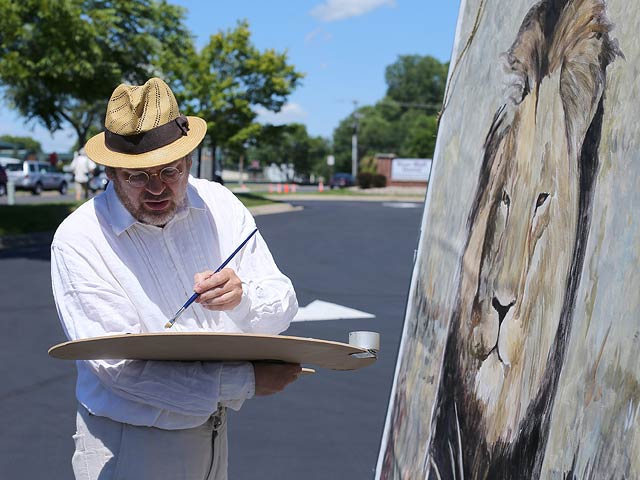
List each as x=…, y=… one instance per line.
x=82, y=167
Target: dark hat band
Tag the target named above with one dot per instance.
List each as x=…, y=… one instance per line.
x=147, y=141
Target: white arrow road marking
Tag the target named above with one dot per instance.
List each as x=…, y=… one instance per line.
x=402, y=205
x=319, y=310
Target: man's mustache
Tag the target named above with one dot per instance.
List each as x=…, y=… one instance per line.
x=156, y=198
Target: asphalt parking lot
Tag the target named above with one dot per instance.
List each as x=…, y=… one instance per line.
x=328, y=425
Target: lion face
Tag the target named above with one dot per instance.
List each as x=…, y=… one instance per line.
x=517, y=261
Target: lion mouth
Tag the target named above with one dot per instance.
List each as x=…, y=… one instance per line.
x=495, y=350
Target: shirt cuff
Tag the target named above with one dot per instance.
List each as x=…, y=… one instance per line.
x=240, y=313
x=237, y=383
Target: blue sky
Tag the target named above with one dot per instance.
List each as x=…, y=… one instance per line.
x=343, y=47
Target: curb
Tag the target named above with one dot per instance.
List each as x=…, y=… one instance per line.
x=347, y=198
x=272, y=208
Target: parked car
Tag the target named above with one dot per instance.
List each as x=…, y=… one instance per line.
x=342, y=180
x=99, y=180
x=3, y=181
x=36, y=177
x=4, y=161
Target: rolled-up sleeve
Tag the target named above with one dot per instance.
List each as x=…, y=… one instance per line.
x=269, y=301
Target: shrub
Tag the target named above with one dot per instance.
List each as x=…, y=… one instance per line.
x=364, y=180
x=379, y=181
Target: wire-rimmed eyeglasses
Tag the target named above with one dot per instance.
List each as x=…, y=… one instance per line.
x=167, y=175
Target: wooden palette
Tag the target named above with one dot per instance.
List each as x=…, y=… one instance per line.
x=204, y=346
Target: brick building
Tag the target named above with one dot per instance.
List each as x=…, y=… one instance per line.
x=403, y=172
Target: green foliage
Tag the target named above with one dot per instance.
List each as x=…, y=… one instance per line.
x=419, y=134
x=61, y=59
x=378, y=181
x=225, y=83
x=22, y=143
x=364, y=180
x=291, y=144
x=252, y=200
x=368, y=164
x=45, y=217
x=371, y=180
x=417, y=80
x=404, y=122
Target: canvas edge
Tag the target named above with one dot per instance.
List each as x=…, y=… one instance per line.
x=409, y=309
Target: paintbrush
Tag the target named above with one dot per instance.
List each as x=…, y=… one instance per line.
x=195, y=295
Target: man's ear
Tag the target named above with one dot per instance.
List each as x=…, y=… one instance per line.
x=110, y=172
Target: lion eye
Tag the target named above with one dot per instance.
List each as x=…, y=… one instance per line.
x=541, y=199
x=505, y=198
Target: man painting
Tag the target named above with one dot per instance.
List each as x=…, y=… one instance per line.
x=125, y=261
x=527, y=232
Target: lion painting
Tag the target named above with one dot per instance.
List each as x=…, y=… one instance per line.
x=527, y=232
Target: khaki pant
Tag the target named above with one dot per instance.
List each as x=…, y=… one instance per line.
x=108, y=450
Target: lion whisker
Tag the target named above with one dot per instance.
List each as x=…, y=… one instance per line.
x=460, y=463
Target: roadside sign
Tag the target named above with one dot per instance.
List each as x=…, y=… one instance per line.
x=410, y=169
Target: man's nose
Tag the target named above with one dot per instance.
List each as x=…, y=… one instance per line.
x=155, y=185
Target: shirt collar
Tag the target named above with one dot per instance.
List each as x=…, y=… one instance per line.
x=121, y=220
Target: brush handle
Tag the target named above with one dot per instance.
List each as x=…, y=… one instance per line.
x=195, y=295
x=191, y=300
x=236, y=251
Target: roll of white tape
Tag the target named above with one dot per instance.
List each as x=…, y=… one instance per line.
x=366, y=340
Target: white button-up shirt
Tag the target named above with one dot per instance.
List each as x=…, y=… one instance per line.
x=113, y=275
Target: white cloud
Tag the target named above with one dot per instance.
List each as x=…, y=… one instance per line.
x=290, y=113
x=318, y=33
x=333, y=10
x=311, y=35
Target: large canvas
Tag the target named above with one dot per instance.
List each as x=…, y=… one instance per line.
x=520, y=354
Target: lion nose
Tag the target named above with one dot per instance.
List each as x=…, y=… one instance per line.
x=501, y=308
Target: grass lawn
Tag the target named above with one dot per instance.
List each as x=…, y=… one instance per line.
x=46, y=217
x=43, y=217
x=253, y=199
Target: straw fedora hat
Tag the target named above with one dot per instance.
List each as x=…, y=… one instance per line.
x=144, y=128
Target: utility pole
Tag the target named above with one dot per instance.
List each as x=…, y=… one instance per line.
x=354, y=142
x=241, y=170
x=245, y=148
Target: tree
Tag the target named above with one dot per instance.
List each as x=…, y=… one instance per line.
x=404, y=121
x=292, y=145
x=227, y=80
x=376, y=133
x=420, y=129
x=419, y=81
x=22, y=143
x=60, y=60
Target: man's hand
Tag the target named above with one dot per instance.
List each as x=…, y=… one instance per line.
x=274, y=377
x=218, y=291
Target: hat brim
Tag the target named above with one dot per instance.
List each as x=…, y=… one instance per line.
x=97, y=151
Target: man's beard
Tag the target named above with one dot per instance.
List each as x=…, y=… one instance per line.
x=159, y=219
